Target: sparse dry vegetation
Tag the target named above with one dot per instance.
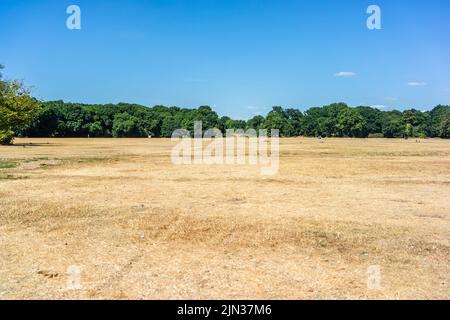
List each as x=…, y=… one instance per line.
x=140, y=227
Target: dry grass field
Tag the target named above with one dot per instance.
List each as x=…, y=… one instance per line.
x=140, y=227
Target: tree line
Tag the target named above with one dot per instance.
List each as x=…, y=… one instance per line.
x=61, y=119
x=23, y=115
x=17, y=108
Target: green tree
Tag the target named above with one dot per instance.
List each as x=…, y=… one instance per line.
x=313, y=122
x=60, y=119
x=351, y=123
x=444, y=127
x=278, y=119
x=169, y=125
x=373, y=118
x=439, y=116
x=393, y=126
x=95, y=129
x=17, y=109
x=295, y=121
x=409, y=130
x=126, y=125
x=255, y=123
x=45, y=124
x=224, y=124
x=204, y=114
x=417, y=123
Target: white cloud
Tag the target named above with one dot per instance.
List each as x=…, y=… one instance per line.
x=391, y=98
x=417, y=84
x=379, y=106
x=345, y=74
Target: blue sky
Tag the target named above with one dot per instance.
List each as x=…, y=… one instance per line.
x=239, y=56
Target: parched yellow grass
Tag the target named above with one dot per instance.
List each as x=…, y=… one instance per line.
x=140, y=227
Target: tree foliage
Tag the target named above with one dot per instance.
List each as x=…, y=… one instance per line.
x=17, y=108
x=60, y=119
x=21, y=114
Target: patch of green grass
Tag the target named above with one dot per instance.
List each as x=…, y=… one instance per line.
x=36, y=159
x=6, y=164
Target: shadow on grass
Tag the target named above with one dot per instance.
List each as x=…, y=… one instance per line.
x=31, y=144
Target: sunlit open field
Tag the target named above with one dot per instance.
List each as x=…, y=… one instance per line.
x=139, y=226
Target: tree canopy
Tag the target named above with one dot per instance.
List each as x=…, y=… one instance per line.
x=21, y=114
x=17, y=108
x=61, y=119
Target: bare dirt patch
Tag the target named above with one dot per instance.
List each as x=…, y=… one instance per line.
x=139, y=227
